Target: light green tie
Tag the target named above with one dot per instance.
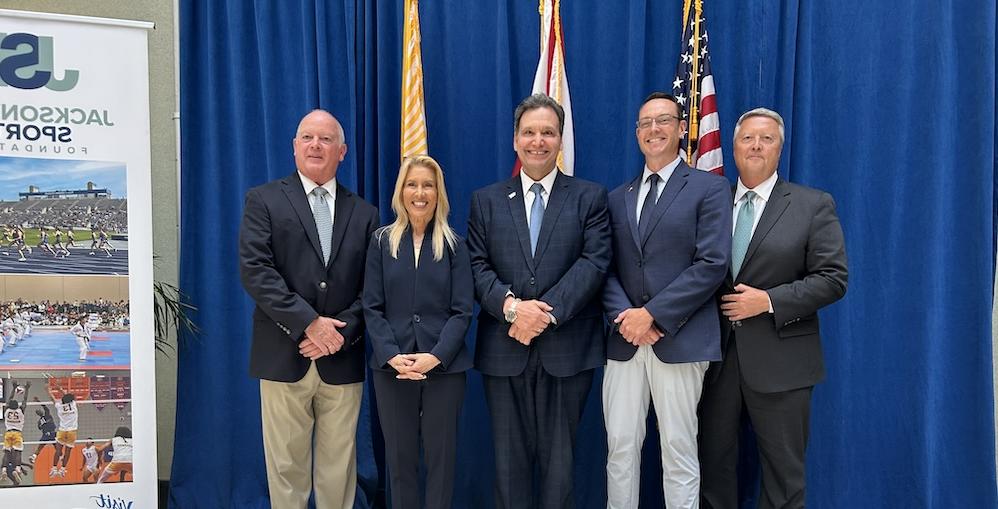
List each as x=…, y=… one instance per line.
x=743, y=233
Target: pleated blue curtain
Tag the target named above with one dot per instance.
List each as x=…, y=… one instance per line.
x=889, y=106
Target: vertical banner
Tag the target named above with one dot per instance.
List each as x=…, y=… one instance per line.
x=76, y=306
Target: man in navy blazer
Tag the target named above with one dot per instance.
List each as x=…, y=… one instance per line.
x=788, y=261
x=671, y=243
x=540, y=248
x=302, y=249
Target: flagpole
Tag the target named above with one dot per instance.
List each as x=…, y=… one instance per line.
x=694, y=127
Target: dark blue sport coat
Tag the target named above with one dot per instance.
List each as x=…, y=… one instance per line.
x=567, y=272
x=425, y=309
x=282, y=269
x=674, y=269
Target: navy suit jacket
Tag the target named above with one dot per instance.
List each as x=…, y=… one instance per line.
x=675, y=268
x=282, y=270
x=411, y=309
x=797, y=254
x=567, y=272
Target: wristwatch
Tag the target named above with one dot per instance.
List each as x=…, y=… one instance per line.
x=510, y=313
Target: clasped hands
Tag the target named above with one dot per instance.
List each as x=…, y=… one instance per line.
x=322, y=338
x=532, y=318
x=413, y=366
x=637, y=326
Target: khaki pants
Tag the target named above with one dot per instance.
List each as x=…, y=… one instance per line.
x=291, y=411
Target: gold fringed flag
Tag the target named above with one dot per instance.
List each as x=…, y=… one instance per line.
x=413, y=139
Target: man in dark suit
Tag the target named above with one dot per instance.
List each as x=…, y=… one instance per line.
x=671, y=243
x=788, y=261
x=302, y=248
x=540, y=248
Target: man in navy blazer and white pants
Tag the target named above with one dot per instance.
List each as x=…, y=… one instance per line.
x=540, y=248
x=671, y=243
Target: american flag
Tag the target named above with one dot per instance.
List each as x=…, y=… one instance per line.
x=694, y=88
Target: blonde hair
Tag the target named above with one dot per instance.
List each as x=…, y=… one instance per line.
x=442, y=232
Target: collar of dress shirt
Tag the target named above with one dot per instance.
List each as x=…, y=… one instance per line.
x=309, y=186
x=763, y=190
x=665, y=173
x=547, y=182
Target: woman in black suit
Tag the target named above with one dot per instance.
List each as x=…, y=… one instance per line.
x=418, y=298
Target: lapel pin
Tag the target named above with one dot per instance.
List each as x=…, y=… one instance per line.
x=512, y=195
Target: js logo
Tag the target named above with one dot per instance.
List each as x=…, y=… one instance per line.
x=26, y=61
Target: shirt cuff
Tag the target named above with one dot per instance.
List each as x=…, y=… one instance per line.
x=770, y=303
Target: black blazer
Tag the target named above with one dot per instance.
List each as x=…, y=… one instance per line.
x=567, y=272
x=411, y=309
x=797, y=254
x=282, y=270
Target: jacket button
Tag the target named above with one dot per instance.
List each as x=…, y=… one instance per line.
x=415, y=318
x=322, y=285
x=639, y=264
x=532, y=281
x=645, y=297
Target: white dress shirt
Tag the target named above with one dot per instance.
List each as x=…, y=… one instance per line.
x=665, y=174
x=528, y=197
x=762, y=193
x=330, y=188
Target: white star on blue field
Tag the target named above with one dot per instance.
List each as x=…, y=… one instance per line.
x=18, y=173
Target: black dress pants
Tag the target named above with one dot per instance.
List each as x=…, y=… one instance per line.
x=415, y=412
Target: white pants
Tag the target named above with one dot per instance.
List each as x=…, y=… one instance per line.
x=84, y=347
x=675, y=389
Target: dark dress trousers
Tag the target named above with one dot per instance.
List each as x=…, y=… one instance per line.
x=282, y=270
x=772, y=361
x=424, y=309
x=536, y=393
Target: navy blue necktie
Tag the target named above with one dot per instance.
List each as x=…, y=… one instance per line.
x=649, y=204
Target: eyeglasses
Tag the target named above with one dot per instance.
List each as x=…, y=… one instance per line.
x=662, y=120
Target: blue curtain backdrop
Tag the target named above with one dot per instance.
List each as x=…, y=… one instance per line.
x=889, y=106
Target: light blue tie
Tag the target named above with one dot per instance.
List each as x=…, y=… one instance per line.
x=743, y=233
x=536, y=216
x=323, y=221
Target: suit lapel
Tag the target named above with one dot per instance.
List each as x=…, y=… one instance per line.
x=514, y=198
x=631, y=209
x=344, y=209
x=779, y=200
x=556, y=202
x=296, y=195
x=676, y=183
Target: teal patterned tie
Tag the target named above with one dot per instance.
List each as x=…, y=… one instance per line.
x=743, y=233
x=323, y=221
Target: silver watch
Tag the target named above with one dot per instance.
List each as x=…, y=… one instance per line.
x=510, y=314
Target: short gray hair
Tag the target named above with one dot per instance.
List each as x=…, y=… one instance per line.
x=760, y=112
x=536, y=102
